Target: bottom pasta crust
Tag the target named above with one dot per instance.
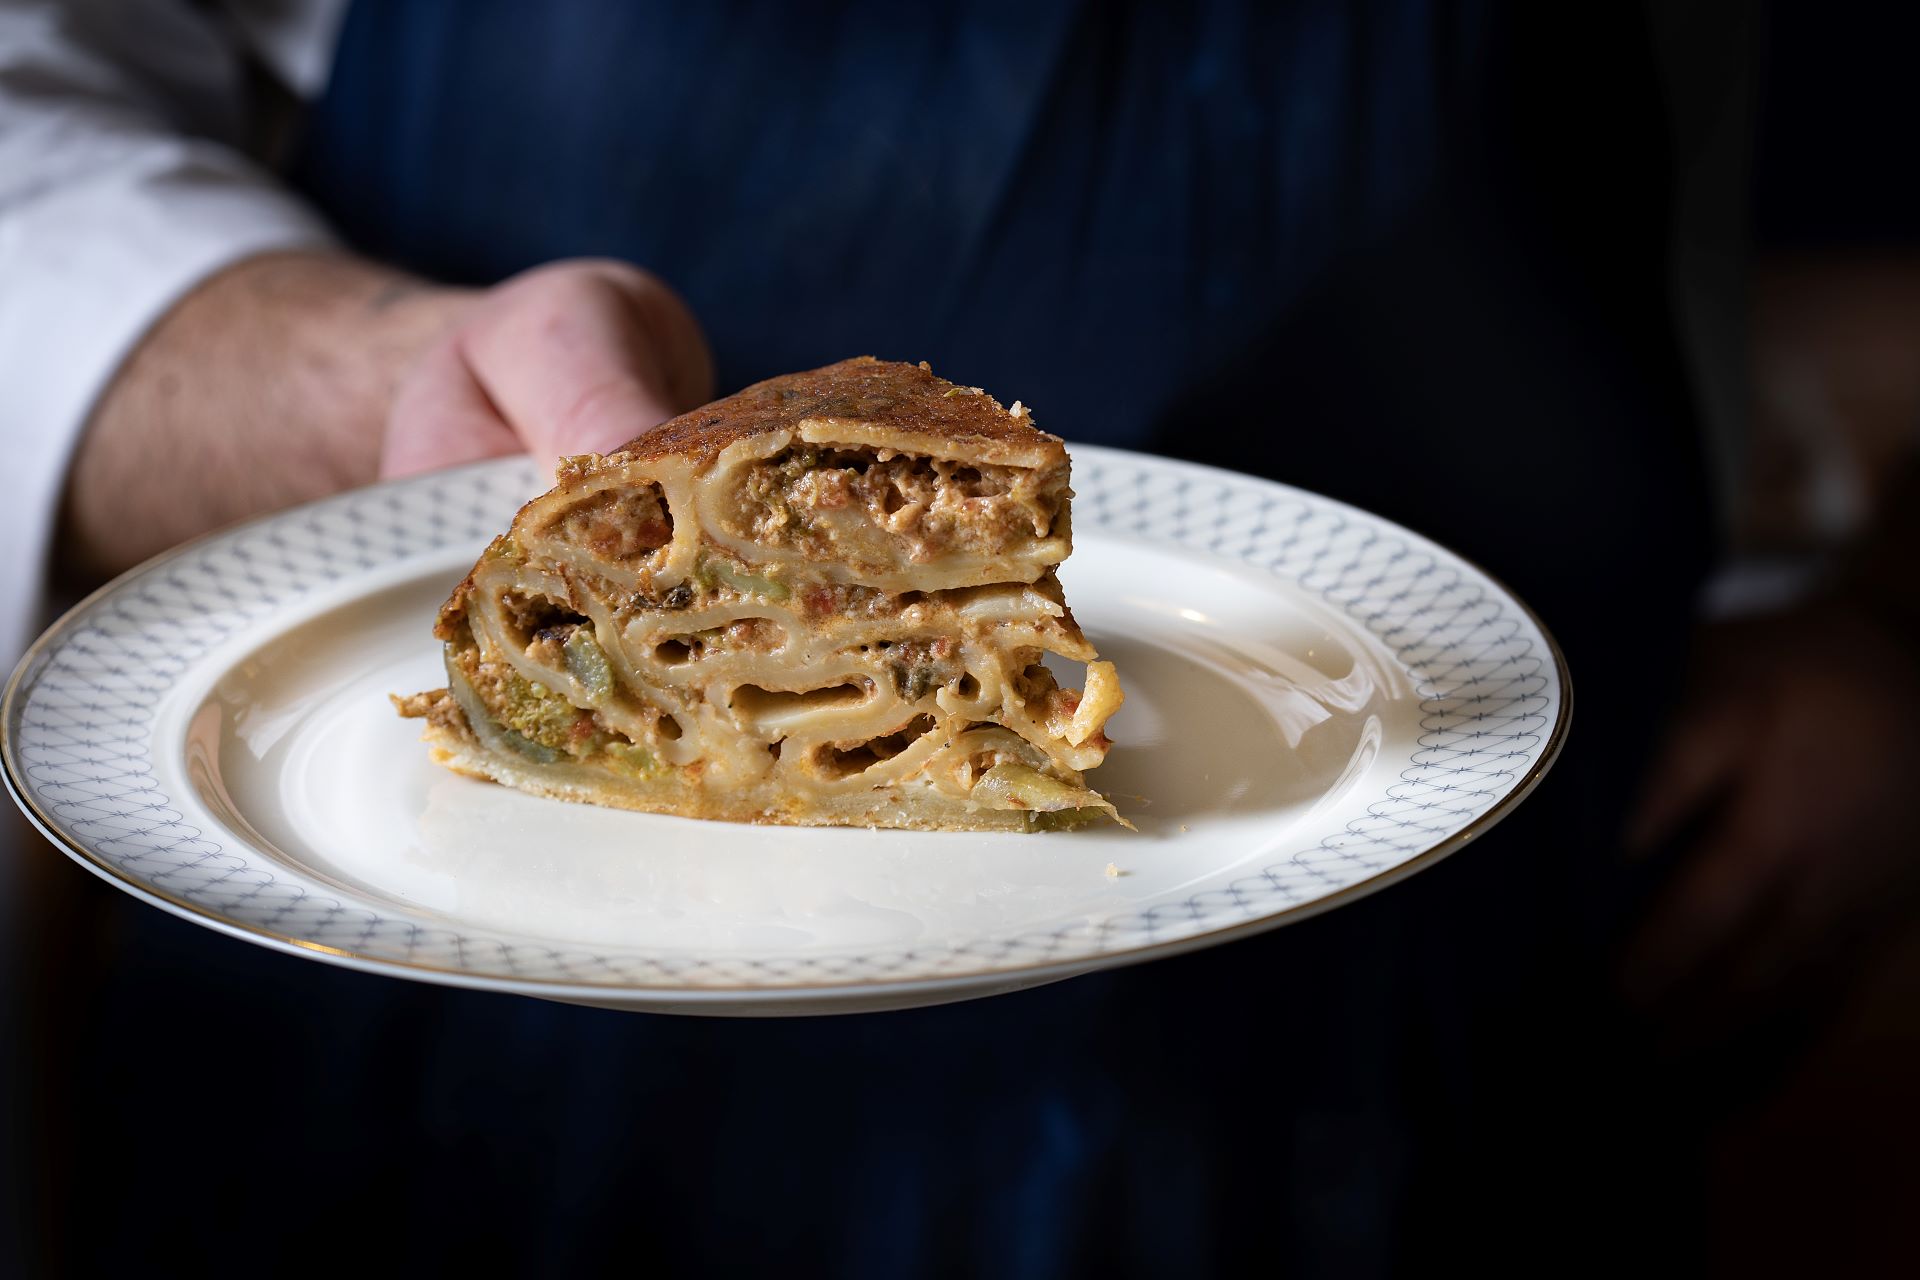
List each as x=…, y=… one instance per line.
x=910, y=807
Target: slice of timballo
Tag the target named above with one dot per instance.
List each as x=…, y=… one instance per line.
x=826, y=600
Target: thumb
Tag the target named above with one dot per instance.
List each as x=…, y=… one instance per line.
x=578, y=362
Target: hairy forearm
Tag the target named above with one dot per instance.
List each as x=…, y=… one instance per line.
x=266, y=386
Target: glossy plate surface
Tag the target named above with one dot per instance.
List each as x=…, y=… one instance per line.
x=1317, y=703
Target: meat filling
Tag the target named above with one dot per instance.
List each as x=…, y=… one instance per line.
x=811, y=498
x=619, y=524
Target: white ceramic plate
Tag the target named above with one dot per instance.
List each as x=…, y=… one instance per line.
x=1318, y=702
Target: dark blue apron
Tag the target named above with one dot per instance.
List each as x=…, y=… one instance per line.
x=1395, y=251
x=1031, y=195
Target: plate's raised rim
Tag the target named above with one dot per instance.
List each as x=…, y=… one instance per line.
x=1008, y=976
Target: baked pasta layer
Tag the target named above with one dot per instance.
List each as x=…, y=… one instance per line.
x=826, y=600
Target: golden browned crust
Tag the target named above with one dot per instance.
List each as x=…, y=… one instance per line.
x=887, y=395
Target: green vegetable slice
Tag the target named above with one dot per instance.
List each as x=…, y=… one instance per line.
x=631, y=758
x=489, y=730
x=716, y=569
x=1015, y=786
x=587, y=663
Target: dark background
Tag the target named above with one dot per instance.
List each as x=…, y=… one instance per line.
x=1792, y=1140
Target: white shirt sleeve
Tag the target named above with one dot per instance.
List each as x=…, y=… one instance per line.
x=122, y=185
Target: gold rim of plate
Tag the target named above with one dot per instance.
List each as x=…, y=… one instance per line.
x=31, y=660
